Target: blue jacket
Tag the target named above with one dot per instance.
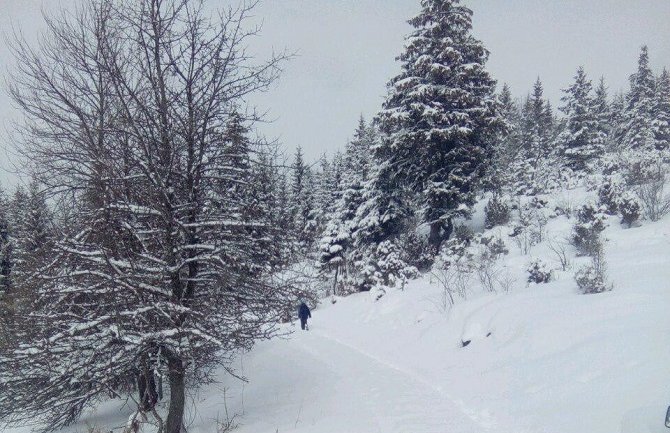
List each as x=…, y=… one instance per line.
x=303, y=312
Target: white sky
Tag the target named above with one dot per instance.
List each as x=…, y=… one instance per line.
x=347, y=50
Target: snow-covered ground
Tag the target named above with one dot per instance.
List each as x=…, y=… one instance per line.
x=542, y=358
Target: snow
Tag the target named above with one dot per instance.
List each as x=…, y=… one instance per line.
x=541, y=358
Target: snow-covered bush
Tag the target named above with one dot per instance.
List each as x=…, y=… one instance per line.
x=538, y=272
x=629, y=208
x=463, y=233
x=497, y=212
x=493, y=247
x=641, y=167
x=537, y=203
x=417, y=251
x=654, y=196
x=609, y=195
x=586, y=233
x=592, y=278
x=461, y=263
x=453, y=269
x=390, y=270
x=529, y=230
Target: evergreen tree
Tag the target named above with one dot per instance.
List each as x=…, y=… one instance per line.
x=31, y=243
x=438, y=120
x=534, y=167
x=337, y=168
x=6, y=315
x=5, y=247
x=538, y=126
x=303, y=202
x=661, y=122
x=248, y=194
x=602, y=115
x=578, y=138
x=640, y=106
x=326, y=186
x=507, y=146
x=338, y=236
x=618, y=116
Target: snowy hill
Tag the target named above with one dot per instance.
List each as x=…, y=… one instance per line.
x=541, y=358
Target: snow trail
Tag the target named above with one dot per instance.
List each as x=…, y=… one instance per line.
x=400, y=400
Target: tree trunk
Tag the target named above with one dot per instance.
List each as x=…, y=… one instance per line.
x=449, y=229
x=146, y=384
x=175, y=418
x=435, y=236
x=337, y=271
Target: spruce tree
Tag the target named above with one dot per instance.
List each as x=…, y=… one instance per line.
x=303, y=202
x=661, y=122
x=640, y=106
x=32, y=239
x=507, y=145
x=338, y=236
x=538, y=124
x=534, y=166
x=578, y=138
x=602, y=115
x=618, y=117
x=439, y=119
x=5, y=247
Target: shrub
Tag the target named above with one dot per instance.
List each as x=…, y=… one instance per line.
x=497, y=212
x=530, y=228
x=538, y=272
x=654, y=198
x=453, y=270
x=586, y=233
x=559, y=248
x=537, y=203
x=609, y=195
x=592, y=278
x=590, y=281
x=390, y=270
x=463, y=233
x=630, y=209
x=494, y=247
x=417, y=251
x=641, y=168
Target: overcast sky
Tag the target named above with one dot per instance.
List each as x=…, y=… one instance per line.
x=347, y=49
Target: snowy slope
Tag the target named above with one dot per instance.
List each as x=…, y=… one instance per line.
x=555, y=361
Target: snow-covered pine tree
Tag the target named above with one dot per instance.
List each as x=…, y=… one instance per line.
x=439, y=119
x=338, y=236
x=268, y=182
x=304, y=209
x=337, y=175
x=618, y=117
x=507, y=146
x=126, y=107
x=32, y=234
x=640, y=106
x=325, y=188
x=246, y=190
x=577, y=141
x=602, y=115
x=537, y=124
x=661, y=122
x=6, y=255
x=535, y=165
x=6, y=313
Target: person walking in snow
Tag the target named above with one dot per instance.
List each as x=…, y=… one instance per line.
x=304, y=314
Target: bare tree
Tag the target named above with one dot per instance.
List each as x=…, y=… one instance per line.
x=127, y=107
